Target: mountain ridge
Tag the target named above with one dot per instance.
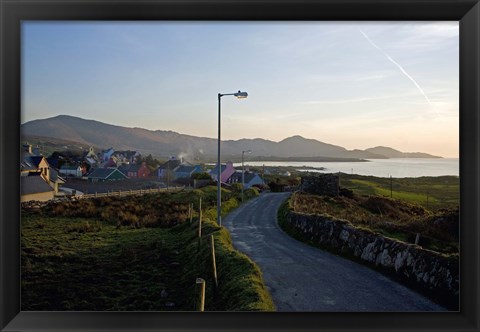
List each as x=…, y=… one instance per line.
x=165, y=143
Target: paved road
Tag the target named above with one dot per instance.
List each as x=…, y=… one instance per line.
x=304, y=278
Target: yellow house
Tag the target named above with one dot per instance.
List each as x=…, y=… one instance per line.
x=35, y=188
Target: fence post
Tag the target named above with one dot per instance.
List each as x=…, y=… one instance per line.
x=200, y=219
x=417, y=239
x=200, y=295
x=212, y=241
x=190, y=214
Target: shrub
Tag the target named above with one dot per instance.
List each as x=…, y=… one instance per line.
x=237, y=187
x=201, y=176
x=251, y=192
x=85, y=227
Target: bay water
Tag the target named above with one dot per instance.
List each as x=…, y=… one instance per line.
x=394, y=167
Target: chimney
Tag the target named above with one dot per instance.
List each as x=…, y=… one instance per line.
x=27, y=147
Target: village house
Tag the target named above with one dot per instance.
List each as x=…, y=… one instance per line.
x=135, y=171
x=226, y=170
x=106, y=174
x=186, y=171
x=165, y=171
x=107, y=154
x=38, y=180
x=112, y=162
x=72, y=171
x=91, y=158
x=250, y=179
x=35, y=188
x=127, y=157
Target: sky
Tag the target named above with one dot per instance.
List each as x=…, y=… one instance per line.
x=353, y=84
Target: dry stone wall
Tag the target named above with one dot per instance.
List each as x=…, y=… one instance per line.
x=436, y=273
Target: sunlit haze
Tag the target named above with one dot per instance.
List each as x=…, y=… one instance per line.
x=357, y=85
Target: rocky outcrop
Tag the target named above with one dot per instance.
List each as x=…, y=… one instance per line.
x=433, y=272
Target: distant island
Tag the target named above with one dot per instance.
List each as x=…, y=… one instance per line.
x=68, y=132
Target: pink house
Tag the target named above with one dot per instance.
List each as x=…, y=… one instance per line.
x=226, y=172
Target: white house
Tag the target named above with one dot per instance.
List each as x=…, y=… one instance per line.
x=75, y=171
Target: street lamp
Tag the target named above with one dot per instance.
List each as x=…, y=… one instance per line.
x=243, y=171
x=239, y=95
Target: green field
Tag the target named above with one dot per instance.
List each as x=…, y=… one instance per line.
x=430, y=192
x=79, y=256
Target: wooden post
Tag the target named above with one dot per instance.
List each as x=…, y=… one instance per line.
x=200, y=295
x=391, y=187
x=190, y=211
x=212, y=241
x=200, y=219
x=417, y=238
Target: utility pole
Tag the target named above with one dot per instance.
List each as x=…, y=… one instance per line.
x=391, y=187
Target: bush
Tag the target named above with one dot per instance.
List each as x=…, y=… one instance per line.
x=237, y=187
x=85, y=227
x=201, y=176
x=251, y=192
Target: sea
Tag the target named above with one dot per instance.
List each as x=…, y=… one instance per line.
x=394, y=167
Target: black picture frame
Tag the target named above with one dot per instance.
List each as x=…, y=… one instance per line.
x=13, y=12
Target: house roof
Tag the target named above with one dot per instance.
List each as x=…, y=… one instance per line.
x=53, y=161
x=124, y=168
x=102, y=173
x=26, y=166
x=90, y=160
x=33, y=185
x=215, y=169
x=185, y=169
x=133, y=168
x=170, y=164
x=54, y=176
x=71, y=168
x=249, y=176
x=30, y=161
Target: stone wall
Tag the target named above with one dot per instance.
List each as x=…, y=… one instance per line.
x=433, y=272
x=321, y=184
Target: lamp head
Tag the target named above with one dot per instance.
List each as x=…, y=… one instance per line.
x=241, y=94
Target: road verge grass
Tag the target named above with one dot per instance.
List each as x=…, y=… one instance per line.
x=94, y=263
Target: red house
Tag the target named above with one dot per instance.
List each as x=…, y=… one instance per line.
x=136, y=171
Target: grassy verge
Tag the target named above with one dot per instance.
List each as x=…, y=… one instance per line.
x=83, y=258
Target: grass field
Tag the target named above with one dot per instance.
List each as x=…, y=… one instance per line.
x=433, y=193
x=79, y=256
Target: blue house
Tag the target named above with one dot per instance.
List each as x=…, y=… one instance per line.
x=165, y=169
x=250, y=179
x=186, y=171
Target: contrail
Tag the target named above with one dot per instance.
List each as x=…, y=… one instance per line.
x=396, y=64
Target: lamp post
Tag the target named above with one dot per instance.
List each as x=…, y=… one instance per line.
x=243, y=171
x=239, y=95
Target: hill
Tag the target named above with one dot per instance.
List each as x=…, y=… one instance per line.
x=392, y=153
x=167, y=143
